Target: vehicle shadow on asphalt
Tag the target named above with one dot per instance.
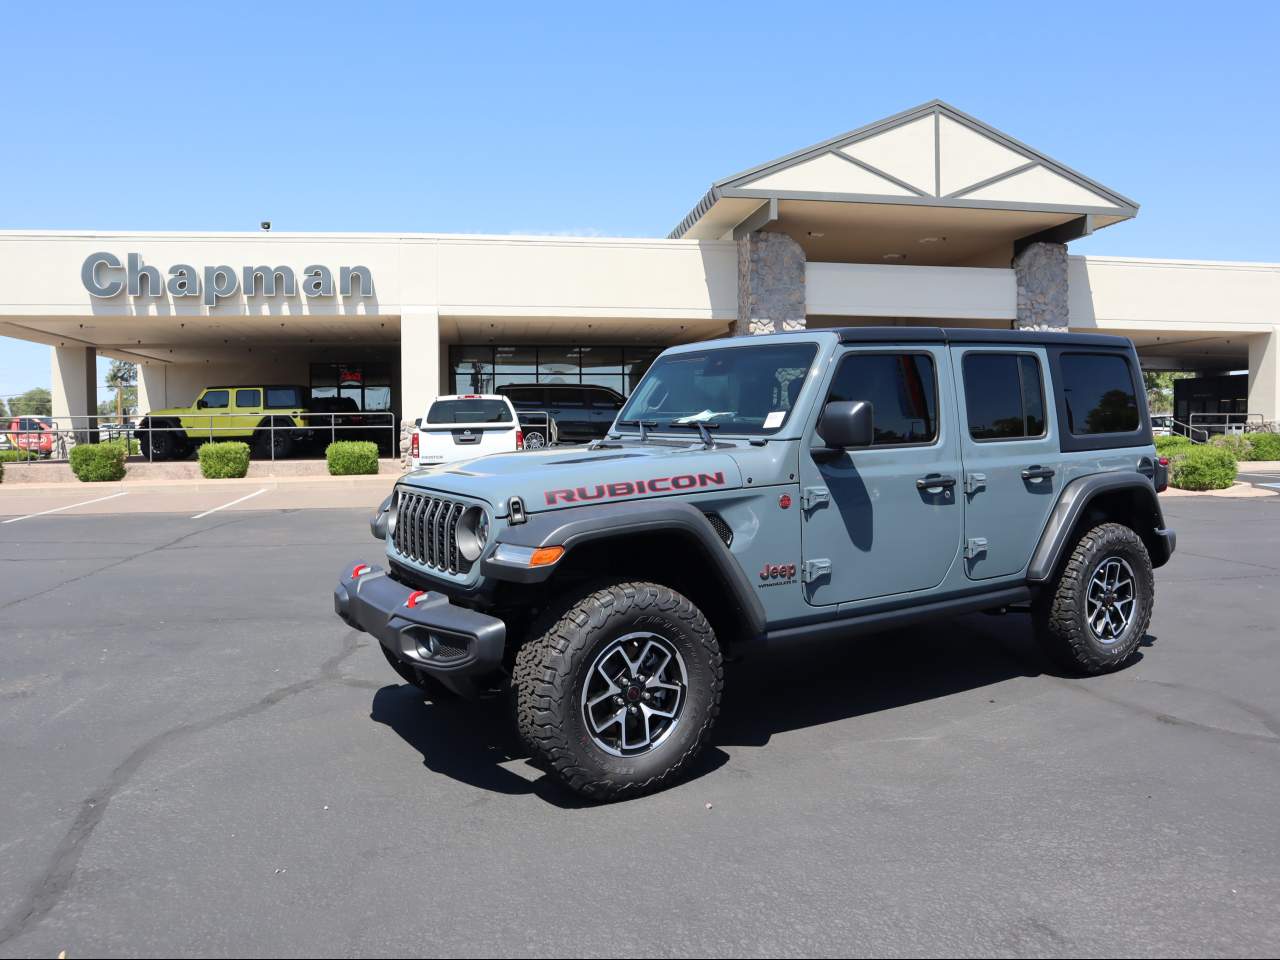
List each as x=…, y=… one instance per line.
x=812, y=685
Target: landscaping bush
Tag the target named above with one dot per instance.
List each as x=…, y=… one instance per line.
x=17, y=455
x=347, y=457
x=1167, y=446
x=224, y=461
x=1206, y=467
x=1265, y=446
x=1237, y=443
x=97, y=462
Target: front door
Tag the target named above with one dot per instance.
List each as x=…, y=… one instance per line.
x=885, y=519
x=1011, y=456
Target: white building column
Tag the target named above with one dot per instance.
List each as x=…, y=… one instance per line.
x=152, y=392
x=419, y=367
x=1264, y=375
x=74, y=375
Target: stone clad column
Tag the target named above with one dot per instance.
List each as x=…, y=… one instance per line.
x=1041, y=273
x=770, y=284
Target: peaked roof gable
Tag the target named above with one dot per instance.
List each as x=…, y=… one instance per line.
x=932, y=154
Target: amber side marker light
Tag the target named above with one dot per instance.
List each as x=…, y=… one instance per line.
x=527, y=556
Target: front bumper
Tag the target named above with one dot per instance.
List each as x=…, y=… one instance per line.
x=435, y=635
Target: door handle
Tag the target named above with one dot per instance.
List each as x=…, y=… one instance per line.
x=1037, y=473
x=935, y=481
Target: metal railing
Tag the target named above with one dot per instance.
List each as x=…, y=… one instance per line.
x=57, y=436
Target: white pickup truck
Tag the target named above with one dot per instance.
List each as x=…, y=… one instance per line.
x=463, y=426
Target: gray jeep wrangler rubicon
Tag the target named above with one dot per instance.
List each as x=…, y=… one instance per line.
x=763, y=490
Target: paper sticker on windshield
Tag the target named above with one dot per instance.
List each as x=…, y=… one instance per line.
x=774, y=419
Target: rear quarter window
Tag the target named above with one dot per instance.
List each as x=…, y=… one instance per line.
x=1099, y=394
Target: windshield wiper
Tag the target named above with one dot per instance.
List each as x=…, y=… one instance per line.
x=644, y=426
x=701, y=426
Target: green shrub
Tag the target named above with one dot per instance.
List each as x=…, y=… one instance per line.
x=1265, y=446
x=17, y=455
x=1166, y=446
x=1237, y=443
x=348, y=457
x=224, y=461
x=97, y=462
x=1206, y=467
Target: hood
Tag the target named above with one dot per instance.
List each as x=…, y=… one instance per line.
x=561, y=477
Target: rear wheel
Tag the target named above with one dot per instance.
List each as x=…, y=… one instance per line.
x=1099, y=607
x=616, y=696
x=429, y=685
x=281, y=436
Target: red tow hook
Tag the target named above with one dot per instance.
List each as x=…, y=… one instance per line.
x=359, y=570
x=414, y=597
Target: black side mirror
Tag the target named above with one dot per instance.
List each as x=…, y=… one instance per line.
x=846, y=423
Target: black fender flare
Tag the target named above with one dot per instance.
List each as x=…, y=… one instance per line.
x=1074, y=501
x=574, y=526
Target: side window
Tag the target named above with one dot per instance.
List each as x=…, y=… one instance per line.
x=564, y=397
x=1099, y=393
x=1004, y=396
x=604, y=399
x=248, y=398
x=215, y=400
x=901, y=388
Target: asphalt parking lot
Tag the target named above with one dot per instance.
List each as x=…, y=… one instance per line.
x=199, y=758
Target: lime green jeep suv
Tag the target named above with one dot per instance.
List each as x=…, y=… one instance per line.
x=259, y=415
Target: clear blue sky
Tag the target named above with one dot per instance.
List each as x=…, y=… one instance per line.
x=606, y=118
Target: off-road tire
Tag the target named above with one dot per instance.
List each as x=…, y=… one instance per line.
x=552, y=666
x=283, y=439
x=161, y=444
x=429, y=685
x=1060, y=619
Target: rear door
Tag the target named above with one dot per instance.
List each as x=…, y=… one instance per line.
x=885, y=519
x=568, y=407
x=604, y=407
x=1012, y=460
x=248, y=409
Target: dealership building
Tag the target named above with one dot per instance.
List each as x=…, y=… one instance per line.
x=930, y=217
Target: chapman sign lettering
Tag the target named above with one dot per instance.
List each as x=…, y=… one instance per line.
x=104, y=276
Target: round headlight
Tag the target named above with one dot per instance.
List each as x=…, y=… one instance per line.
x=473, y=533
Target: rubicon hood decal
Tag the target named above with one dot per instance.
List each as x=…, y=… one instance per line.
x=634, y=488
x=558, y=478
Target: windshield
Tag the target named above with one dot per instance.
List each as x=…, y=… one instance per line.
x=470, y=410
x=745, y=390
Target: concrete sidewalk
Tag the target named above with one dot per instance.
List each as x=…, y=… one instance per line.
x=140, y=470
x=193, y=497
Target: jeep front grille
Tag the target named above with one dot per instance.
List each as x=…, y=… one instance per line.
x=427, y=531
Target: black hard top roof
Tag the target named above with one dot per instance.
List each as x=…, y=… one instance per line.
x=255, y=386
x=978, y=335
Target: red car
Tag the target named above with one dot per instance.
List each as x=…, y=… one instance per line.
x=32, y=434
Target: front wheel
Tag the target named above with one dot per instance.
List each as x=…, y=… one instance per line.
x=617, y=695
x=1099, y=605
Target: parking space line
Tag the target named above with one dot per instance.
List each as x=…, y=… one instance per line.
x=231, y=504
x=69, y=506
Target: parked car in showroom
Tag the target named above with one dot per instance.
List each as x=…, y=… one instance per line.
x=463, y=426
x=582, y=412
